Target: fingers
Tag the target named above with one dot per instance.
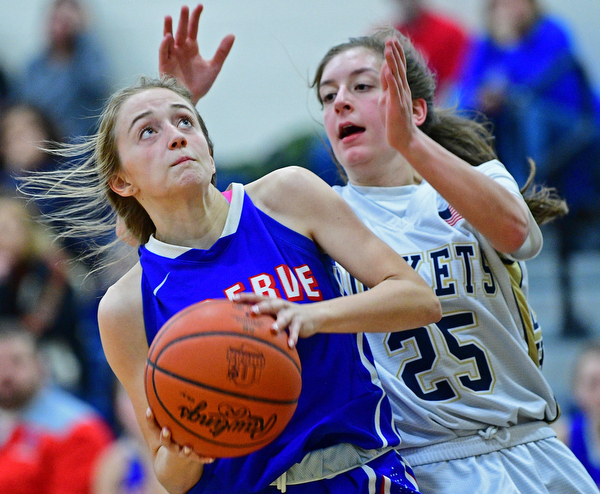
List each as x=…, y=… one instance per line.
x=276, y=307
x=168, y=27
x=164, y=52
x=166, y=441
x=385, y=71
x=195, y=21
x=247, y=298
x=152, y=424
x=223, y=50
x=396, y=61
x=293, y=333
x=182, y=27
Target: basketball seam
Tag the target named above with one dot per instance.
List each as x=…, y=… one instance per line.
x=231, y=334
x=218, y=390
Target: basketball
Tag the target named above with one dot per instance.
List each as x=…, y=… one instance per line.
x=220, y=380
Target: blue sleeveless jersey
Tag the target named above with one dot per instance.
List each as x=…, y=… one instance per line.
x=579, y=445
x=341, y=400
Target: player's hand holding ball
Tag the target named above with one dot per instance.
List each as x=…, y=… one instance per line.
x=299, y=320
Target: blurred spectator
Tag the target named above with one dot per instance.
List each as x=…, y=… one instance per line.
x=35, y=289
x=69, y=78
x=442, y=41
x=49, y=440
x=525, y=76
x=24, y=129
x=581, y=429
x=125, y=467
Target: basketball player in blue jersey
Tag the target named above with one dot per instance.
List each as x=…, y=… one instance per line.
x=152, y=161
x=468, y=394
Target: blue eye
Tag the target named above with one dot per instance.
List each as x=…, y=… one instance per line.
x=186, y=121
x=146, y=132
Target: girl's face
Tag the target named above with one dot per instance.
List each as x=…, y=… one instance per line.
x=351, y=90
x=510, y=19
x=161, y=146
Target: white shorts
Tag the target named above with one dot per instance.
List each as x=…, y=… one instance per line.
x=534, y=465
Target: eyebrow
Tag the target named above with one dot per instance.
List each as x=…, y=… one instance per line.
x=140, y=116
x=352, y=74
x=149, y=112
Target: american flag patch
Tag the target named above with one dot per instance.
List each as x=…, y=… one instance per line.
x=450, y=216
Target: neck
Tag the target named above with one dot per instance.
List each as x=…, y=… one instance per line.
x=394, y=173
x=198, y=224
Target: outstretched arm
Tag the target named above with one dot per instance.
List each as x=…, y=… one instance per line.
x=179, y=55
x=500, y=216
x=398, y=298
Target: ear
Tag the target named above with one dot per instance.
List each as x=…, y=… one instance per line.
x=121, y=186
x=419, y=111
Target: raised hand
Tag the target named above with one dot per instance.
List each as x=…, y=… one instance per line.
x=396, y=102
x=179, y=55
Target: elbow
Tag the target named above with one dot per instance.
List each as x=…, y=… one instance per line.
x=435, y=310
x=511, y=243
x=513, y=235
x=518, y=235
x=432, y=308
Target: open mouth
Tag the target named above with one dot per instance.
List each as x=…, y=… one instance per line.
x=348, y=130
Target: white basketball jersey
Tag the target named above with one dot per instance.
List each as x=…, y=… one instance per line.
x=479, y=366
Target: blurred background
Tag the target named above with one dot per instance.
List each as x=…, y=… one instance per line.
x=262, y=97
x=262, y=90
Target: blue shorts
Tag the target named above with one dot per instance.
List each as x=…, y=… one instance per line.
x=388, y=474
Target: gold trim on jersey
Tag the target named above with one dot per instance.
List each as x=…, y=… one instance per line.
x=515, y=273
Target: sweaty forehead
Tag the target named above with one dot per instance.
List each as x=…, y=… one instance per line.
x=349, y=62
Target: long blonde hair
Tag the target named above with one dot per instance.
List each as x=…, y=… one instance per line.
x=83, y=182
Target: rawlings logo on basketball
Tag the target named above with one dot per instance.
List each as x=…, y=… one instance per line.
x=228, y=419
x=245, y=365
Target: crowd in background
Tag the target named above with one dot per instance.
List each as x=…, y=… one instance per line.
x=522, y=73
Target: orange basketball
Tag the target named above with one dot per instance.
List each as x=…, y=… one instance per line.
x=220, y=380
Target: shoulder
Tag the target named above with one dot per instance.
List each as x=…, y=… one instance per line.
x=280, y=183
x=552, y=30
x=292, y=189
x=122, y=295
x=296, y=198
x=121, y=317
